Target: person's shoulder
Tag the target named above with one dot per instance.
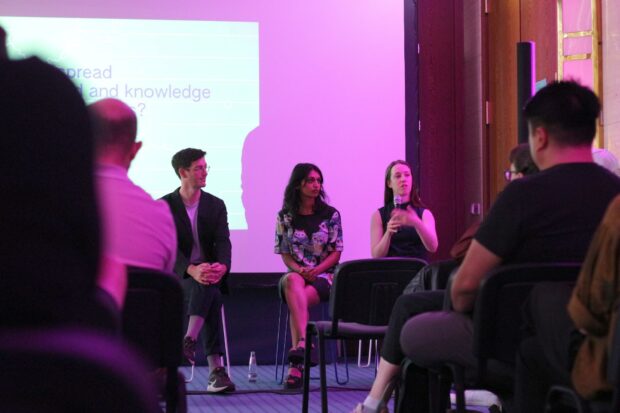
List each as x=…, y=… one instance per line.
x=420, y=209
x=165, y=212
x=158, y=210
x=530, y=183
x=212, y=199
x=139, y=192
x=604, y=173
x=171, y=196
x=159, y=206
x=330, y=212
x=587, y=172
x=174, y=201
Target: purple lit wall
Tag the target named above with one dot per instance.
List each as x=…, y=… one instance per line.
x=331, y=93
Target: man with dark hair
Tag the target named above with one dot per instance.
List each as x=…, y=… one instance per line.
x=137, y=230
x=184, y=159
x=203, y=259
x=565, y=110
x=546, y=217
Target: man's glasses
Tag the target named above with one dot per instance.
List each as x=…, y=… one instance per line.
x=508, y=173
x=201, y=168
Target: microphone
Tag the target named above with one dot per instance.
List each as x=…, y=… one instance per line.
x=398, y=200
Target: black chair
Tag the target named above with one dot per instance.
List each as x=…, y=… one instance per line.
x=282, y=338
x=153, y=322
x=71, y=370
x=497, y=321
x=361, y=301
x=433, y=276
x=561, y=398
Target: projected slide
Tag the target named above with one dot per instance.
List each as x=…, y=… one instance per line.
x=191, y=83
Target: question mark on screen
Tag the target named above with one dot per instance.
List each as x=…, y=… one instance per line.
x=141, y=107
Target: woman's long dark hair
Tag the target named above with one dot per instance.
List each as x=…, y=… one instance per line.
x=388, y=193
x=292, y=199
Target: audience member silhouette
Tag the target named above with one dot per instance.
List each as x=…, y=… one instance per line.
x=572, y=347
x=50, y=230
x=547, y=217
x=137, y=230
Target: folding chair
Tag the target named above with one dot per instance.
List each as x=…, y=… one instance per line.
x=361, y=301
x=153, y=321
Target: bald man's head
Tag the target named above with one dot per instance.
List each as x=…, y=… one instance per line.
x=114, y=129
x=114, y=123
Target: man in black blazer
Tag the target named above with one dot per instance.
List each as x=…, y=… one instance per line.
x=203, y=259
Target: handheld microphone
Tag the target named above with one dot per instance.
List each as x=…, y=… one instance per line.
x=398, y=200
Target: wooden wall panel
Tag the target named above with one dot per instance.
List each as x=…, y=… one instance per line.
x=503, y=35
x=470, y=97
x=539, y=24
x=467, y=57
x=437, y=115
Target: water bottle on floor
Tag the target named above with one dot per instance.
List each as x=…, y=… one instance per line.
x=252, y=372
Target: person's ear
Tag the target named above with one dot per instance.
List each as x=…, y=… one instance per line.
x=135, y=147
x=537, y=139
x=544, y=138
x=541, y=138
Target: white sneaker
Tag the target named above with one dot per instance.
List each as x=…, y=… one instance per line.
x=219, y=382
x=477, y=398
x=360, y=408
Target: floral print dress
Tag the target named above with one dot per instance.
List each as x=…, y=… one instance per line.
x=309, y=239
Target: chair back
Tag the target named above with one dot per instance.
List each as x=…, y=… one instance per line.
x=498, y=313
x=153, y=316
x=364, y=291
x=432, y=277
x=71, y=370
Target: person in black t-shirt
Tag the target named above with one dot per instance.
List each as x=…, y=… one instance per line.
x=403, y=227
x=546, y=217
x=309, y=239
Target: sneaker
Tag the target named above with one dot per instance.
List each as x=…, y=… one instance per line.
x=219, y=382
x=360, y=408
x=481, y=398
x=189, y=350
